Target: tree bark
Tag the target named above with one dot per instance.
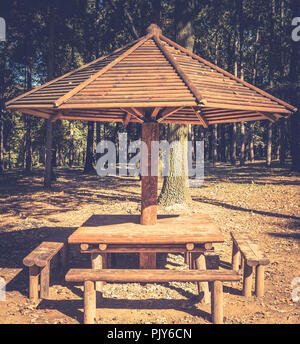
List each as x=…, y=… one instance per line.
x=294, y=97
x=89, y=157
x=49, y=175
x=28, y=147
x=175, y=188
x=243, y=144
x=2, y=71
x=269, y=144
x=233, y=144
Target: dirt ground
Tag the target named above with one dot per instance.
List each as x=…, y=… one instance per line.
x=253, y=199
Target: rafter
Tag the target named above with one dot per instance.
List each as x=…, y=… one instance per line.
x=179, y=70
x=126, y=119
x=155, y=112
x=200, y=117
x=132, y=113
x=168, y=112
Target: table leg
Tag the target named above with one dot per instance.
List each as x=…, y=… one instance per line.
x=147, y=260
x=200, y=264
x=98, y=262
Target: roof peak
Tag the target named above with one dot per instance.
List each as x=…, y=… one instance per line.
x=154, y=29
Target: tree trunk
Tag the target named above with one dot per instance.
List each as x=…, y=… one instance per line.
x=233, y=144
x=223, y=143
x=28, y=152
x=175, y=188
x=214, y=143
x=243, y=144
x=269, y=144
x=251, y=143
x=294, y=97
x=89, y=158
x=49, y=175
x=2, y=68
x=71, y=147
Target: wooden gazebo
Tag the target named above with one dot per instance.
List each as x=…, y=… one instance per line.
x=151, y=80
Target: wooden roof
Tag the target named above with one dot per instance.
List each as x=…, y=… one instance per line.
x=151, y=79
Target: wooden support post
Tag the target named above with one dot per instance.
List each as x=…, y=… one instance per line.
x=147, y=260
x=217, y=302
x=201, y=265
x=247, y=286
x=45, y=280
x=98, y=262
x=89, y=302
x=259, y=281
x=150, y=132
x=236, y=257
x=33, y=282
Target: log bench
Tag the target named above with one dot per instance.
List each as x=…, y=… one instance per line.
x=90, y=276
x=245, y=249
x=38, y=262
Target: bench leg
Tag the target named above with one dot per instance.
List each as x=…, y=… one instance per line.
x=247, y=284
x=217, y=302
x=34, y=282
x=89, y=302
x=45, y=280
x=200, y=263
x=236, y=258
x=259, y=281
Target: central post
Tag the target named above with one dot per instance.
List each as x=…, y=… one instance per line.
x=149, y=171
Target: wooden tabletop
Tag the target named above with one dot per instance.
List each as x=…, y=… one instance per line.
x=126, y=229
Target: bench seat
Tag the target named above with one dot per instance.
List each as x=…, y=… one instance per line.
x=90, y=276
x=38, y=262
x=246, y=249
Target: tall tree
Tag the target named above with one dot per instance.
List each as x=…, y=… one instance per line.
x=294, y=94
x=175, y=188
x=49, y=130
x=89, y=157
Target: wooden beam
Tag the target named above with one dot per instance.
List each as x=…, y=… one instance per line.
x=193, y=89
x=269, y=116
x=34, y=113
x=155, y=112
x=168, y=112
x=202, y=120
x=132, y=113
x=127, y=118
x=150, y=132
x=138, y=112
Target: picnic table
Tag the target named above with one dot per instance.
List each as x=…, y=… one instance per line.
x=193, y=235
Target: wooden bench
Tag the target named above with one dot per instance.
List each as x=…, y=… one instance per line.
x=91, y=276
x=38, y=262
x=245, y=248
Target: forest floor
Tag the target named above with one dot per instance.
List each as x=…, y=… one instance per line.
x=263, y=202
